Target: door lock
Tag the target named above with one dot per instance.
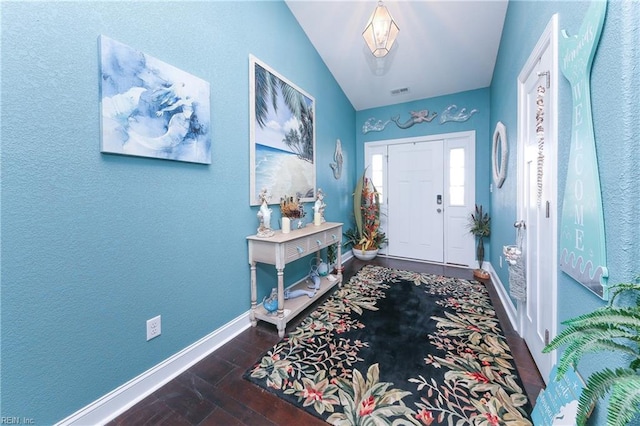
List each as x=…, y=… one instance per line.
x=438, y=199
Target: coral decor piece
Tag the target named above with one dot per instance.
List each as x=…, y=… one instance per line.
x=291, y=207
x=366, y=235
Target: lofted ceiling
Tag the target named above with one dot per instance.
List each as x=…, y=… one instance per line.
x=444, y=47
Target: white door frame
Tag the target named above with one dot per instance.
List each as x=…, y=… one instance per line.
x=376, y=146
x=548, y=40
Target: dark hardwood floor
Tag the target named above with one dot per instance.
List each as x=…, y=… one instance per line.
x=213, y=392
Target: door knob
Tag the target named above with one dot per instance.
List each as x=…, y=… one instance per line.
x=439, y=210
x=520, y=224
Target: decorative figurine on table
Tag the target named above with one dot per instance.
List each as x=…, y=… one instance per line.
x=271, y=304
x=264, y=216
x=318, y=208
x=290, y=294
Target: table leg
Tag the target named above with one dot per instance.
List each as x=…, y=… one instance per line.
x=282, y=322
x=254, y=296
x=339, y=267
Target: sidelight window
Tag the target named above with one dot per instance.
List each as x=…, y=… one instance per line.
x=456, y=177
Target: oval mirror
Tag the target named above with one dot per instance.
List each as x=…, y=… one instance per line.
x=499, y=154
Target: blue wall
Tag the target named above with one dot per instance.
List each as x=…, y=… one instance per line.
x=474, y=99
x=93, y=245
x=615, y=90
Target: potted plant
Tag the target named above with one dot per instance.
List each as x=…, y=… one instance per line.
x=366, y=238
x=480, y=227
x=613, y=328
x=332, y=256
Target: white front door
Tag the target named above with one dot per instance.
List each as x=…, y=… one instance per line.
x=537, y=195
x=416, y=219
x=428, y=184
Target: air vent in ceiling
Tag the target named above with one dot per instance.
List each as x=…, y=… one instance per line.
x=400, y=91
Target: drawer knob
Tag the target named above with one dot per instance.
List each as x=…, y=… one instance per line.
x=333, y=236
x=300, y=249
x=319, y=243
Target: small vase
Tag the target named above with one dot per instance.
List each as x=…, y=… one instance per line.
x=480, y=252
x=286, y=225
x=364, y=254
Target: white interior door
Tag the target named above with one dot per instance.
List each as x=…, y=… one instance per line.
x=416, y=219
x=537, y=148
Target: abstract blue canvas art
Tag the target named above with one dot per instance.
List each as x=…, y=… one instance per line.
x=150, y=108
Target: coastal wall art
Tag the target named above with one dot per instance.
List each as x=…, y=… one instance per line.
x=282, y=136
x=451, y=113
x=583, y=254
x=150, y=108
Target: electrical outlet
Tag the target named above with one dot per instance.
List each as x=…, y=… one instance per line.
x=154, y=327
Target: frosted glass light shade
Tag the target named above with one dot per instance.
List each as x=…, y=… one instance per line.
x=381, y=31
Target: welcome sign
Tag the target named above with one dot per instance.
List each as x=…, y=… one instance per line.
x=582, y=238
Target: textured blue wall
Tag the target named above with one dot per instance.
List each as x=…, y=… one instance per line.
x=93, y=245
x=615, y=90
x=474, y=99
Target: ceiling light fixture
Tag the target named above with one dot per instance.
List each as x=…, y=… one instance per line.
x=381, y=31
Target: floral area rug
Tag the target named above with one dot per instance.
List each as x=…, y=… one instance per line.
x=394, y=347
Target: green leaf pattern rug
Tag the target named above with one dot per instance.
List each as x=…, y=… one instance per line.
x=395, y=347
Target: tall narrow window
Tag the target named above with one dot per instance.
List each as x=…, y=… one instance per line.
x=377, y=174
x=456, y=176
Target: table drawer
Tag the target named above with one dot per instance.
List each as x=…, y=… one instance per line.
x=296, y=249
x=324, y=239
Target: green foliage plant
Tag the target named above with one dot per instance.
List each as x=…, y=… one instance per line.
x=480, y=227
x=480, y=223
x=613, y=328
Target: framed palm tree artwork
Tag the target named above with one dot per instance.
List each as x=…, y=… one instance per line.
x=282, y=136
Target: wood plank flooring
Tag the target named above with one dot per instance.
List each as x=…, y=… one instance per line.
x=213, y=391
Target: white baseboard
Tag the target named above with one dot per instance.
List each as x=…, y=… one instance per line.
x=508, y=305
x=119, y=400
x=126, y=396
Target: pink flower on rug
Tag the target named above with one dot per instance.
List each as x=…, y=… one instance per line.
x=492, y=419
x=478, y=377
x=425, y=416
x=367, y=406
x=311, y=394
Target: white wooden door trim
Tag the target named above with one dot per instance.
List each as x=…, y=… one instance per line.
x=548, y=41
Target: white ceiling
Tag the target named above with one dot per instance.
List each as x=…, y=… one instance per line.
x=444, y=46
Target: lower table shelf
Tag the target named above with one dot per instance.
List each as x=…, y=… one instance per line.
x=294, y=306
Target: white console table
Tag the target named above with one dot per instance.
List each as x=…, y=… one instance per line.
x=281, y=249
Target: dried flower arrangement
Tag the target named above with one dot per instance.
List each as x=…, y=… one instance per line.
x=291, y=207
